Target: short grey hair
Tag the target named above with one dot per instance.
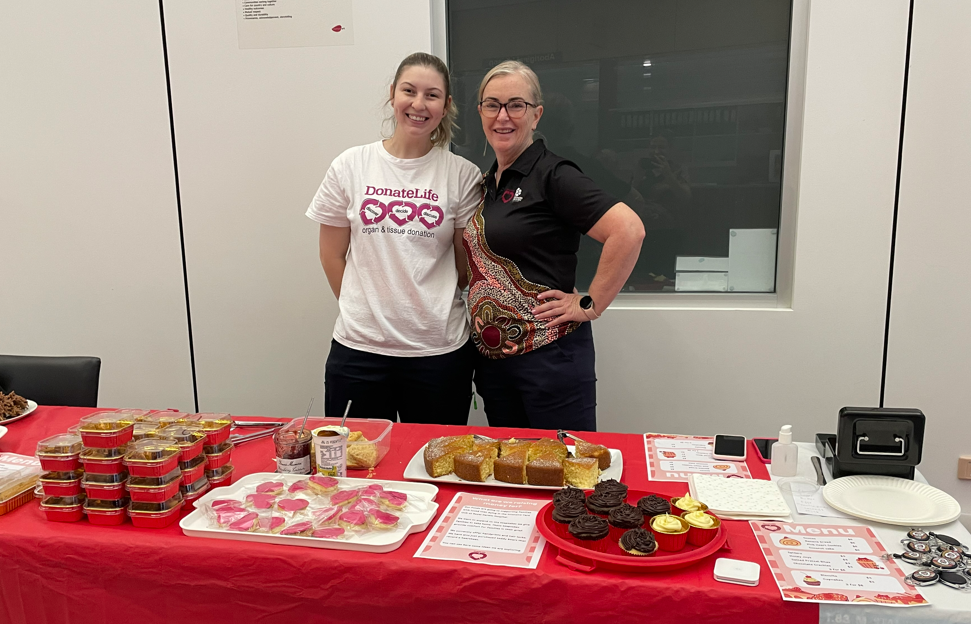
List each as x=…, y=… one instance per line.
x=506, y=68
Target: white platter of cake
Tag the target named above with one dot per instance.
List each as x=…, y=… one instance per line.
x=316, y=512
x=544, y=464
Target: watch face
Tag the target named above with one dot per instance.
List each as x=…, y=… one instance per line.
x=586, y=302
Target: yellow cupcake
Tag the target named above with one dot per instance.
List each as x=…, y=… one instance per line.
x=701, y=520
x=671, y=525
x=686, y=503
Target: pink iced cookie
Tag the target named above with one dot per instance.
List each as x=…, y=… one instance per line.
x=352, y=520
x=261, y=501
x=325, y=516
x=363, y=504
x=329, y=533
x=393, y=500
x=292, y=504
x=300, y=528
x=381, y=520
x=226, y=516
x=246, y=523
x=226, y=503
x=271, y=524
x=345, y=497
x=270, y=487
x=299, y=486
x=372, y=490
x=322, y=485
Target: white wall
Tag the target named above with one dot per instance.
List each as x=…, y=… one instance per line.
x=90, y=253
x=929, y=357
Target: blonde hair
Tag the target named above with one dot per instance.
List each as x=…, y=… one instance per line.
x=442, y=135
x=506, y=68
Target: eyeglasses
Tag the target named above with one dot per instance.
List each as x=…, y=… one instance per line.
x=514, y=108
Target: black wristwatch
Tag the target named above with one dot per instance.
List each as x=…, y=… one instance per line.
x=586, y=302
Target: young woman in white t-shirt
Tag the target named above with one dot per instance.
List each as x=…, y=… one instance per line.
x=391, y=217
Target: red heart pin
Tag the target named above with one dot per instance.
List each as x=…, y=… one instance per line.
x=477, y=556
x=338, y=28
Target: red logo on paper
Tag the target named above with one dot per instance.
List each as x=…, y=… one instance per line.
x=338, y=28
x=771, y=527
x=477, y=556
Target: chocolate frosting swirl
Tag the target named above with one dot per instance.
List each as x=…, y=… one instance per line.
x=653, y=505
x=640, y=540
x=589, y=528
x=626, y=517
x=603, y=502
x=567, y=510
x=569, y=493
x=611, y=486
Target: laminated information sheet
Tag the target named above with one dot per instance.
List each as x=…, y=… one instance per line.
x=677, y=457
x=832, y=563
x=487, y=529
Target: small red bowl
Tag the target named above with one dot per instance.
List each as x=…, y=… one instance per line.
x=158, y=494
x=155, y=519
x=106, y=517
x=190, y=472
x=221, y=476
x=104, y=491
x=218, y=435
x=191, y=452
x=59, y=510
x=57, y=486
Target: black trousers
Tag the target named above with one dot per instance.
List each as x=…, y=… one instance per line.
x=553, y=387
x=435, y=389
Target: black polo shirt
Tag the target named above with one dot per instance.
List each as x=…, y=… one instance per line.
x=535, y=218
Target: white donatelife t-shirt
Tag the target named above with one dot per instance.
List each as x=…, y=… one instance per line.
x=400, y=291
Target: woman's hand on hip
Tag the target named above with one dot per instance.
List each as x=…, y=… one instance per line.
x=561, y=307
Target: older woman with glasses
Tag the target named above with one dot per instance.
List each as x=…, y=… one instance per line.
x=531, y=327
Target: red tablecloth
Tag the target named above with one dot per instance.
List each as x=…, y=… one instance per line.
x=79, y=573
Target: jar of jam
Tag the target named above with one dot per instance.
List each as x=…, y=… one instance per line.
x=292, y=451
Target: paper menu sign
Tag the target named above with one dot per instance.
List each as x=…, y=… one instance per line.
x=487, y=529
x=677, y=457
x=832, y=563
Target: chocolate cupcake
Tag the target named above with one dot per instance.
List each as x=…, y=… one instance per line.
x=569, y=493
x=566, y=512
x=638, y=542
x=653, y=505
x=590, y=532
x=611, y=486
x=624, y=518
x=601, y=503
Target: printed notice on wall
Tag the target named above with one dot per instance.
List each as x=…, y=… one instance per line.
x=487, y=529
x=833, y=563
x=294, y=23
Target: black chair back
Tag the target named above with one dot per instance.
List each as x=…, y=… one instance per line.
x=71, y=381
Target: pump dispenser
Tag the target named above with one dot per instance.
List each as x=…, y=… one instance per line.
x=785, y=454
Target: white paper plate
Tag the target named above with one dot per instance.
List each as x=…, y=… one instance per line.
x=415, y=471
x=197, y=525
x=31, y=406
x=891, y=500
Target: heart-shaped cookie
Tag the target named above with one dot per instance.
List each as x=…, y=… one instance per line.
x=292, y=504
x=270, y=487
x=261, y=501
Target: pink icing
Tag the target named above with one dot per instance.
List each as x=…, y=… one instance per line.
x=225, y=502
x=382, y=518
x=299, y=486
x=326, y=515
x=261, y=501
x=393, y=499
x=226, y=516
x=329, y=533
x=271, y=523
x=372, y=490
x=245, y=523
x=344, y=497
x=292, y=504
x=354, y=518
x=270, y=487
x=363, y=504
x=294, y=529
x=326, y=483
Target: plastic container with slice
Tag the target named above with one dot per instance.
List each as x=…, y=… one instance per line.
x=60, y=453
x=218, y=455
x=105, y=486
x=152, y=457
x=155, y=515
x=220, y=476
x=106, y=429
x=63, y=508
x=193, y=469
x=18, y=477
x=190, y=439
x=194, y=490
x=216, y=427
x=368, y=443
x=106, y=512
x=104, y=460
x=154, y=489
x=145, y=429
x=62, y=484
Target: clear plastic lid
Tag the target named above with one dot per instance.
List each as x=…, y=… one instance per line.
x=184, y=434
x=61, y=477
x=63, y=501
x=155, y=482
x=97, y=504
x=213, y=422
x=17, y=473
x=145, y=429
x=106, y=422
x=151, y=450
x=151, y=508
x=171, y=418
x=218, y=449
x=102, y=454
x=61, y=444
x=138, y=415
x=93, y=478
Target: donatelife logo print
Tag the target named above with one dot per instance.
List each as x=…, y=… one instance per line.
x=401, y=211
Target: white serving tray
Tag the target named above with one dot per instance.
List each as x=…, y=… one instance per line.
x=196, y=524
x=415, y=471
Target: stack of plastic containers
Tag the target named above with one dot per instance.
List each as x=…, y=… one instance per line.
x=105, y=436
x=192, y=462
x=218, y=449
x=154, y=482
x=59, y=457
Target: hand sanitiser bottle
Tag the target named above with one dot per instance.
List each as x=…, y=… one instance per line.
x=785, y=454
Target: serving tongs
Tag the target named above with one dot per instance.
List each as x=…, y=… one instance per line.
x=561, y=435
x=481, y=438
x=257, y=423
x=238, y=439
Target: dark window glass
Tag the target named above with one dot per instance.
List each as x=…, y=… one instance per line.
x=676, y=107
